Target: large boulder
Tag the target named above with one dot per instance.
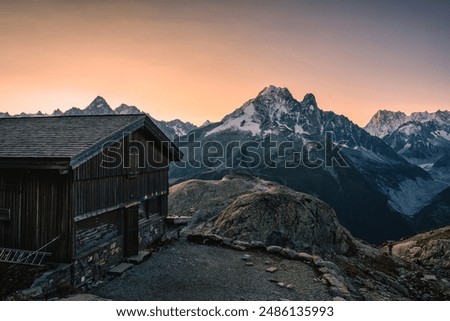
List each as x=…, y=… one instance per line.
x=247, y=208
x=285, y=218
x=205, y=199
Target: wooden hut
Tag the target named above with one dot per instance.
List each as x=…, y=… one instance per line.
x=90, y=188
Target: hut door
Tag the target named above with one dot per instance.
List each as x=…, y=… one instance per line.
x=10, y=227
x=131, y=233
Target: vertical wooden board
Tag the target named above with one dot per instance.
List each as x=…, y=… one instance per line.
x=131, y=231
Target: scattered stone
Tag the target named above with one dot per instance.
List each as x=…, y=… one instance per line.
x=242, y=243
x=227, y=241
x=429, y=277
x=337, y=287
x=238, y=247
x=290, y=286
x=274, y=249
x=328, y=265
x=246, y=257
x=249, y=263
x=257, y=244
x=281, y=284
x=338, y=298
x=267, y=262
x=289, y=253
x=283, y=299
x=317, y=260
x=271, y=269
x=302, y=256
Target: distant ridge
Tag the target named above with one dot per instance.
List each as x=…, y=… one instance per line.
x=99, y=106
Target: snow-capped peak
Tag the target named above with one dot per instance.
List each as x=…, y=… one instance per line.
x=274, y=111
x=384, y=122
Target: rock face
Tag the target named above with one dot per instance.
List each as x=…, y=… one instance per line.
x=247, y=208
x=205, y=199
x=284, y=218
x=430, y=249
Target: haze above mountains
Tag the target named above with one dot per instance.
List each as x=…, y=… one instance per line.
x=398, y=173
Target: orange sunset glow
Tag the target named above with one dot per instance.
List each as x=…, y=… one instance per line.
x=198, y=60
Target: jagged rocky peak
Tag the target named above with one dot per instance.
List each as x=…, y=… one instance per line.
x=206, y=123
x=57, y=112
x=272, y=90
x=309, y=99
x=99, y=106
x=125, y=109
x=274, y=98
x=384, y=122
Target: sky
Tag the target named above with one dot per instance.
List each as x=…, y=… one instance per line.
x=197, y=60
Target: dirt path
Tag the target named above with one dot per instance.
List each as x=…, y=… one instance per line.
x=186, y=271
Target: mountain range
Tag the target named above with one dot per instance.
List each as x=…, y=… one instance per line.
x=99, y=106
x=422, y=138
x=385, y=181
x=376, y=193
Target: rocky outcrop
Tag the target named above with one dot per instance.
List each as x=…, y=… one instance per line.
x=287, y=219
x=249, y=214
x=205, y=199
x=430, y=250
x=247, y=208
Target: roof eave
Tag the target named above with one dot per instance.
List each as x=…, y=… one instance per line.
x=47, y=163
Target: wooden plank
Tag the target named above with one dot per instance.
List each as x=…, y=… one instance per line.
x=119, y=269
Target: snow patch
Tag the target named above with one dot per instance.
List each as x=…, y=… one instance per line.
x=298, y=129
x=412, y=195
x=426, y=166
x=409, y=129
x=441, y=134
x=242, y=123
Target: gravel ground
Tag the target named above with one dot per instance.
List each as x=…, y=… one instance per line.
x=185, y=271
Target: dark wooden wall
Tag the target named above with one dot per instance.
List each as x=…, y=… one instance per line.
x=39, y=207
x=97, y=187
x=102, y=188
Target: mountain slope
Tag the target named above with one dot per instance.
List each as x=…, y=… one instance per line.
x=422, y=138
x=435, y=214
x=366, y=181
x=276, y=137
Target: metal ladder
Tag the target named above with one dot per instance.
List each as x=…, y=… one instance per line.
x=26, y=257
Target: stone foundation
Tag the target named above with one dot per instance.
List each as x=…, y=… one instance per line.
x=93, y=264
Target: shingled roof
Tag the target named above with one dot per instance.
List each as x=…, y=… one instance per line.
x=69, y=139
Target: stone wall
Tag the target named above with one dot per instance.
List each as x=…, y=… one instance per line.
x=151, y=230
x=92, y=265
x=97, y=230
